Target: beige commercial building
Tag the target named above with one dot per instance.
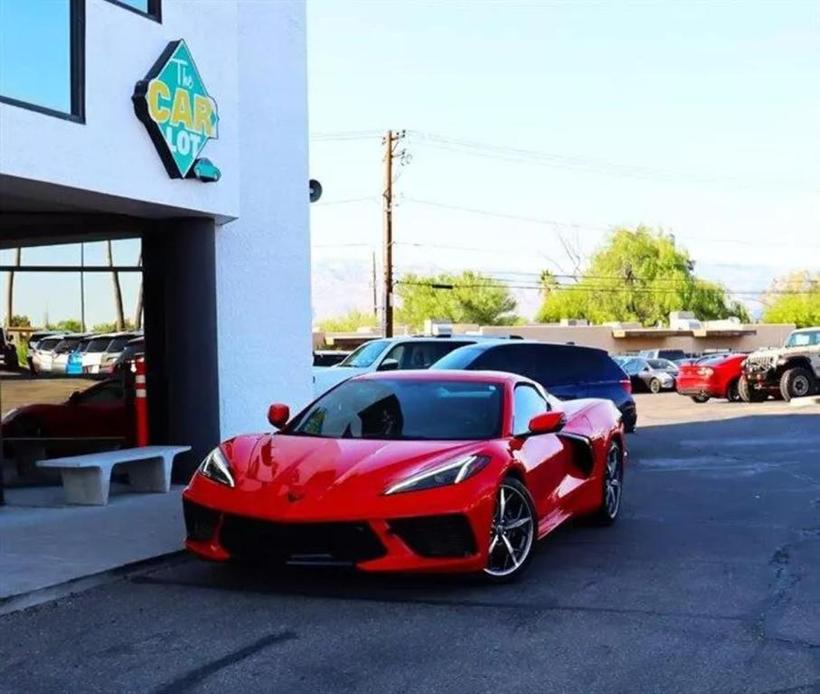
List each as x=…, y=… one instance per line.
x=684, y=332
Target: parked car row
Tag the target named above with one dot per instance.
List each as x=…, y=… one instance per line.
x=568, y=372
x=77, y=353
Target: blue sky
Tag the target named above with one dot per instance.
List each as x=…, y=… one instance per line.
x=701, y=117
x=698, y=117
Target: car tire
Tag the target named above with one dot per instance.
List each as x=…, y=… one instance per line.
x=612, y=483
x=513, y=532
x=733, y=392
x=700, y=399
x=654, y=386
x=797, y=382
x=747, y=393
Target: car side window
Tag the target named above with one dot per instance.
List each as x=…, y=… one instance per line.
x=421, y=354
x=527, y=403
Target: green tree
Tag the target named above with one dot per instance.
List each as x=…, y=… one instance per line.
x=794, y=298
x=20, y=322
x=469, y=297
x=111, y=327
x=71, y=325
x=639, y=275
x=349, y=322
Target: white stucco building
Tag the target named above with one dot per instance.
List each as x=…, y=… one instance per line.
x=226, y=262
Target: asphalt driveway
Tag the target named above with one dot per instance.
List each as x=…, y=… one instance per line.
x=710, y=582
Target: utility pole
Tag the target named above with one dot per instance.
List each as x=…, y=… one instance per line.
x=389, y=139
x=375, y=290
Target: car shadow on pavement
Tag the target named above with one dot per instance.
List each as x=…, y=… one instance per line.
x=701, y=499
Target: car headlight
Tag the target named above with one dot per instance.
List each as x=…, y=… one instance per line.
x=215, y=467
x=451, y=472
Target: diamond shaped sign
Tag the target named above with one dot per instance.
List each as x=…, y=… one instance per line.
x=179, y=114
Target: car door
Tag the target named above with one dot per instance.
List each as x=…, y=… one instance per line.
x=100, y=411
x=545, y=457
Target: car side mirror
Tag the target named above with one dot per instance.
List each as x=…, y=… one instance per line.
x=389, y=365
x=278, y=415
x=547, y=422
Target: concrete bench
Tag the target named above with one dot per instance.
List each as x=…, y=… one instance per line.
x=87, y=478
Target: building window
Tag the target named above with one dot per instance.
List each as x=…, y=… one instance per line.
x=42, y=49
x=149, y=8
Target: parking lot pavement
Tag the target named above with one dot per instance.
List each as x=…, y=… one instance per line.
x=709, y=582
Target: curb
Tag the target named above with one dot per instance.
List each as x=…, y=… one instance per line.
x=23, y=601
x=805, y=402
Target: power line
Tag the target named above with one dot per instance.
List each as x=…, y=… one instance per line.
x=576, y=225
x=521, y=155
x=586, y=288
x=504, y=215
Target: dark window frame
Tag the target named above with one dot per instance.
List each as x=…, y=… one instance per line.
x=154, y=9
x=76, y=40
x=521, y=386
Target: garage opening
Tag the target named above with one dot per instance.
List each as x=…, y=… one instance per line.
x=94, y=320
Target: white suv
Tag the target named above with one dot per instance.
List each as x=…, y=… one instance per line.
x=388, y=354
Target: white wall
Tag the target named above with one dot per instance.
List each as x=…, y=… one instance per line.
x=251, y=55
x=263, y=258
x=111, y=153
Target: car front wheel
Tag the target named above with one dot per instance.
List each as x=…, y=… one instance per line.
x=747, y=393
x=655, y=386
x=796, y=383
x=513, y=532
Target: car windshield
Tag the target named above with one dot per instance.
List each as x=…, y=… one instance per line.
x=634, y=366
x=365, y=355
x=118, y=343
x=48, y=343
x=404, y=410
x=98, y=345
x=805, y=339
x=67, y=345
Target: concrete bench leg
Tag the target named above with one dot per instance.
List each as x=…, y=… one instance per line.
x=88, y=486
x=151, y=475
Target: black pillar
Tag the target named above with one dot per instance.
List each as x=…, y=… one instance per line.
x=180, y=337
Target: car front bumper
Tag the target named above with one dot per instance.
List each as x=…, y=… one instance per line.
x=444, y=532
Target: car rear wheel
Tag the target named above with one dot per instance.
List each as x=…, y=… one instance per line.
x=796, y=383
x=747, y=393
x=613, y=483
x=654, y=386
x=513, y=532
x=700, y=399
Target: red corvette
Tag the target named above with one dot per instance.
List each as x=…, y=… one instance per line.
x=714, y=377
x=410, y=471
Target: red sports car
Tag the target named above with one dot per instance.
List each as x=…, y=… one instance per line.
x=711, y=377
x=410, y=471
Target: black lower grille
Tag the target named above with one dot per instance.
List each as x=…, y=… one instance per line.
x=436, y=536
x=200, y=522
x=300, y=542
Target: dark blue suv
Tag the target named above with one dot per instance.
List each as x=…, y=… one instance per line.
x=567, y=371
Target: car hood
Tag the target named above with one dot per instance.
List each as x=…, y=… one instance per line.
x=325, y=377
x=273, y=466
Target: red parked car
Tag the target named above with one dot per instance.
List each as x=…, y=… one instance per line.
x=435, y=471
x=711, y=377
x=100, y=411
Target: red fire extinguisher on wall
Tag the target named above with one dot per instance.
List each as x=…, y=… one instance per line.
x=140, y=404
